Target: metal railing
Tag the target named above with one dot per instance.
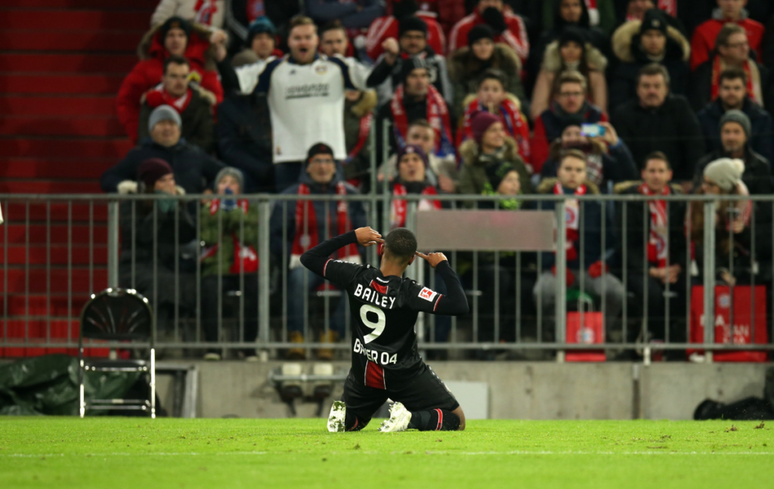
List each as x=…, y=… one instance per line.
x=49, y=269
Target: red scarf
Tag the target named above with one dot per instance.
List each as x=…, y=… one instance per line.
x=437, y=116
x=513, y=120
x=307, y=236
x=245, y=257
x=717, y=69
x=572, y=217
x=399, y=206
x=204, y=10
x=657, y=249
x=158, y=96
x=362, y=136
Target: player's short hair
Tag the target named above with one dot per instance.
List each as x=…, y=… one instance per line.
x=300, y=20
x=571, y=77
x=175, y=60
x=492, y=74
x=401, y=243
x=334, y=25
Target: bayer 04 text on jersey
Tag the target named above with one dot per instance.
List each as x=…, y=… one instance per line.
x=381, y=358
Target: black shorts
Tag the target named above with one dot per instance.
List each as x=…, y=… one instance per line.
x=420, y=393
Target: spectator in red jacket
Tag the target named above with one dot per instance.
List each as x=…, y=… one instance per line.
x=704, y=36
x=174, y=37
x=509, y=27
x=388, y=26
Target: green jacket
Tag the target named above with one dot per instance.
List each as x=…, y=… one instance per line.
x=230, y=226
x=473, y=177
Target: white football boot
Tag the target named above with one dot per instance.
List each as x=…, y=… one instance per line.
x=399, y=419
x=337, y=417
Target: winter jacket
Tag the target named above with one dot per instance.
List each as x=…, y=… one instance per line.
x=552, y=122
x=552, y=68
x=616, y=161
x=700, y=93
x=627, y=48
x=354, y=112
x=762, y=138
x=230, y=223
x=357, y=215
x=194, y=169
x=197, y=128
x=387, y=27
x=590, y=226
x=703, y=41
x=756, y=176
x=465, y=71
x=148, y=72
x=210, y=12
x=386, y=78
x=671, y=128
x=515, y=34
x=140, y=241
x=357, y=14
x=636, y=223
x=473, y=179
x=244, y=140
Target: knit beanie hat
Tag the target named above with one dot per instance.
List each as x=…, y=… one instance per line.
x=740, y=118
x=412, y=23
x=572, y=34
x=496, y=173
x=318, y=149
x=164, y=113
x=231, y=172
x=175, y=23
x=480, y=122
x=654, y=20
x=151, y=170
x=260, y=25
x=412, y=149
x=481, y=31
x=726, y=173
x=411, y=64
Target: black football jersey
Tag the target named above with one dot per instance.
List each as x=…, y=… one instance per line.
x=384, y=313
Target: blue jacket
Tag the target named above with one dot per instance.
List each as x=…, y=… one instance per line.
x=279, y=218
x=590, y=225
x=762, y=138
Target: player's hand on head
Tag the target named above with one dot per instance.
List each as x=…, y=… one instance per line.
x=368, y=237
x=432, y=258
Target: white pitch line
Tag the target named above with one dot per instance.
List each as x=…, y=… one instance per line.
x=512, y=452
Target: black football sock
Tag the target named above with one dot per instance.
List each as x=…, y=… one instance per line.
x=353, y=423
x=434, y=420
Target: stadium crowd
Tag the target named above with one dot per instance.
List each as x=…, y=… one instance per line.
x=487, y=97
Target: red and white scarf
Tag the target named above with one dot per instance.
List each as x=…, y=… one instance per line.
x=399, y=206
x=204, y=11
x=513, y=120
x=362, y=136
x=753, y=80
x=572, y=219
x=245, y=257
x=158, y=96
x=437, y=116
x=657, y=240
x=307, y=235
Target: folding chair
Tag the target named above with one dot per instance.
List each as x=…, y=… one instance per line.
x=118, y=315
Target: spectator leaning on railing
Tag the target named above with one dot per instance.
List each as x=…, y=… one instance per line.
x=191, y=101
x=194, y=170
x=732, y=95
x=229, y=234
x=305, y=93
x=308, y=223
x=163, y=225
x=174, y=37
x=660, y=121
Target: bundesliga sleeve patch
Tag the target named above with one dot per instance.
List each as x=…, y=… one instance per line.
x=427, y=294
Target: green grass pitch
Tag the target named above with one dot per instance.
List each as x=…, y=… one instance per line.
x=288, y=453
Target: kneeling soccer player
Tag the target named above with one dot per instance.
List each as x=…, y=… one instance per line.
x=384, y=308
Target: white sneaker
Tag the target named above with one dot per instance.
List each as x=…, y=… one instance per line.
x=399, y=419
x=337, y=417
